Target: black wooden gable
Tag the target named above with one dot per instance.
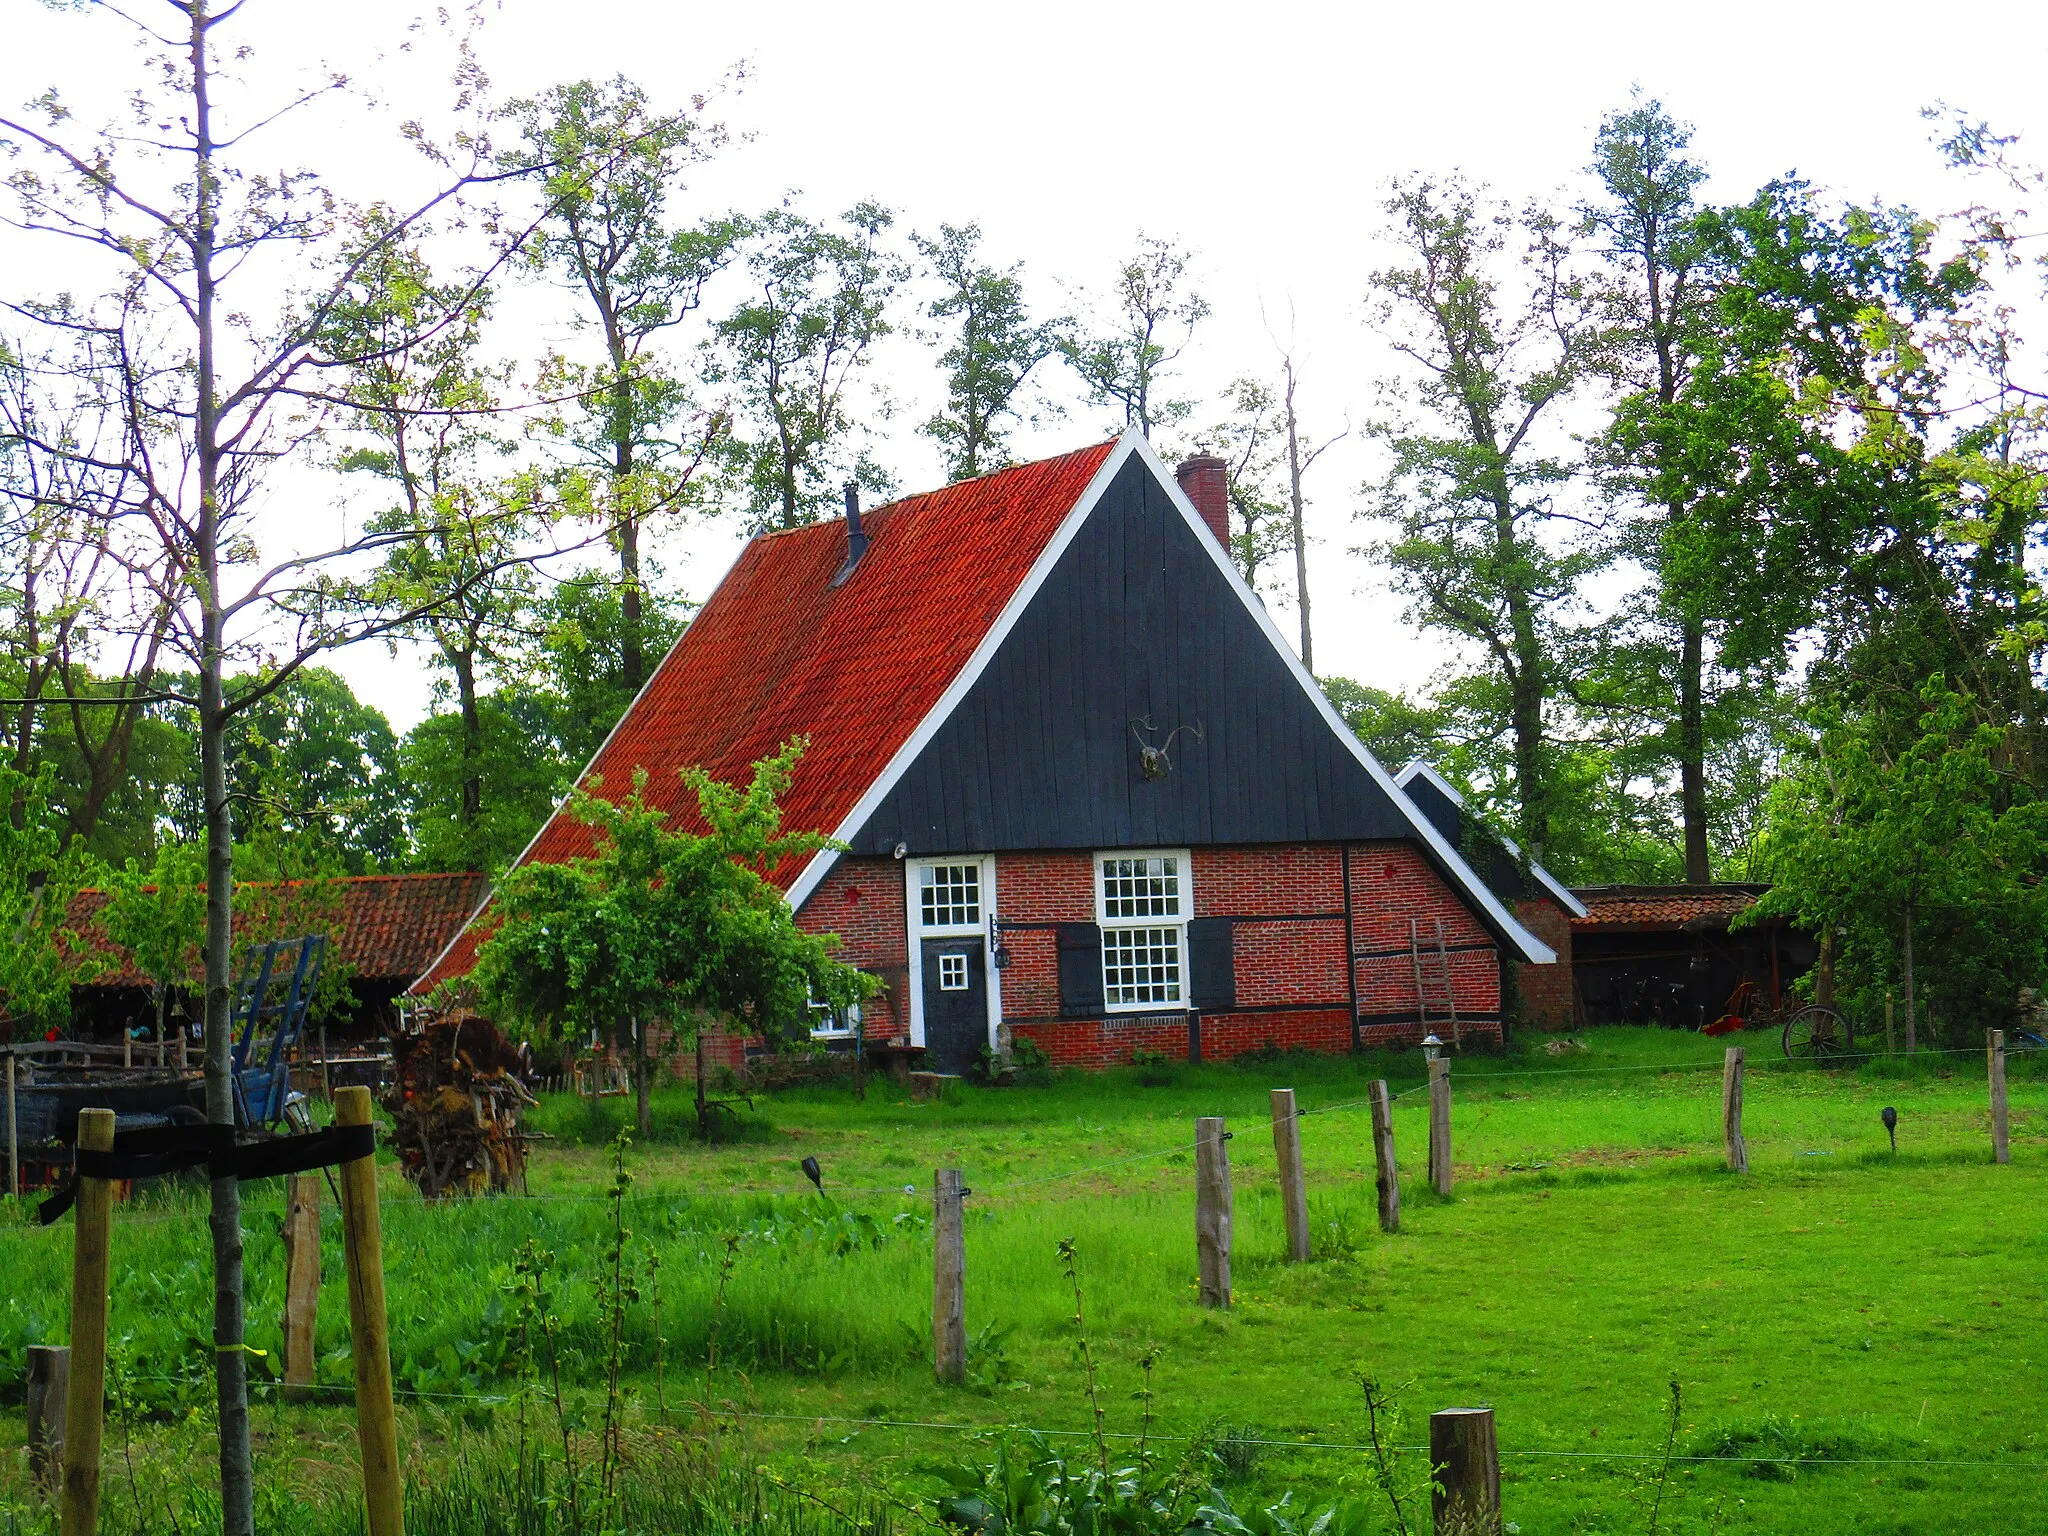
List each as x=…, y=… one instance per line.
x=1134, y=640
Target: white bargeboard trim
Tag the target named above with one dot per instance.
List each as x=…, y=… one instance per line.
x=1418, y=769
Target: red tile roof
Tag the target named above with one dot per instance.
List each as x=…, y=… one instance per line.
x=778, y=651
x=388, y=928
x=1643, y=908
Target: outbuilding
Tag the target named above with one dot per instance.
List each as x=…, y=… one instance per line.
x=1089, y=796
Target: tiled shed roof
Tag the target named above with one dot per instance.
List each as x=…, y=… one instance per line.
x=778, y=651
x=386, y=927
x=1646, y=908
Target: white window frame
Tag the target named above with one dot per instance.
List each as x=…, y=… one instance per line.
x=915, y=933
x=1185, y=876
x=838, y=1024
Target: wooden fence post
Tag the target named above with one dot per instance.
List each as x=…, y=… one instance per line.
x=1440, y=1126
x=1994, y=1053
x=1891, y=1039
x=49, y=1377
x=85, y=1392
x=181, y=1047
x=326, y=1080
x=1386, y=1174
x=1293, y=1186
x=301, y=1281
x=1731, y=1111
x=1464, y=1458
x=1212, y=1211
x=362, y=1236
x=949, y=1279
x=13, y=1140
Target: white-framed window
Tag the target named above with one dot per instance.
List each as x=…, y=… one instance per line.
x=949, y=897
x=1143, y=900
x=828, y=1023
x=953, y=973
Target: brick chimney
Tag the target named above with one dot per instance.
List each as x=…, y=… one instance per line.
x=1206, y=480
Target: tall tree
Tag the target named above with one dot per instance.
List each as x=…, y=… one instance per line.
x=423, y=414
x=791, y=350
x=42, y=956
x=1125, y=360
x=157, y=913
x=1649, y=218
x=1500, y=328
x=610, y=166
x=989, y=353
x=222, y=272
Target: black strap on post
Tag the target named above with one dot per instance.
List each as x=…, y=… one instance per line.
x=152, y=1153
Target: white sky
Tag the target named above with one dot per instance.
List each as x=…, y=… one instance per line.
x=1260, y=137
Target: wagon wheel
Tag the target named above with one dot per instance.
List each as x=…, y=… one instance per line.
x=1815, y=1033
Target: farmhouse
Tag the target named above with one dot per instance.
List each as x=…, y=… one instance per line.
x=1090, y=798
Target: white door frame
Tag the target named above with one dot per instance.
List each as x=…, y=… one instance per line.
x=915, y=935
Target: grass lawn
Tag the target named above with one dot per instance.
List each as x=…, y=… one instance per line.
x=1883, y=1314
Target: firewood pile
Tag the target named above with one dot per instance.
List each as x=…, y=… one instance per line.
x=455, y=1103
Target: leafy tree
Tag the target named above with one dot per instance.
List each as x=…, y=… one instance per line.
x=569, y=662
x=1125, y=361
x=40, y=877
x=790, y=350
x=660, y=923
x=517, y=759
x=1394, y=728
x=157, y=912
x=1926, y=863
x=609, y=167
x=990, y=352
x=1471, y=498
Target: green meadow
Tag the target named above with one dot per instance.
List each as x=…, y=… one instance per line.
x=1856, y=1333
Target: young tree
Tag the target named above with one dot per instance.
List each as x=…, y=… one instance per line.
x=610, y=166
x=791, y=350
x=1125, y=362
x=1498, y=337
x=663, y=924
x=989, y=354
x=222, y=272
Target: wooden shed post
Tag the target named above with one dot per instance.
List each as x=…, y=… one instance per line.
x=1464, y=1459
x=362, y=1234
x=1293, y=1185
x=1212, y=1211
x=301, y=1281
x=1440, y=1126
x=1385, y=1173
x=949, y=1279
x=49, y=1378
x=85, y=1394
x=1994, y=1054
x=1731, y=1111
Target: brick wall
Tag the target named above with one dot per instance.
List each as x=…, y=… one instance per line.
x=1546, y=989
x=862, y=902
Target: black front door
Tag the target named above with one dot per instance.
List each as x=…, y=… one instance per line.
x=955, y=1003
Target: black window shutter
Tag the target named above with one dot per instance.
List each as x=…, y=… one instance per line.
x=1080, y=969
x=1212, y=980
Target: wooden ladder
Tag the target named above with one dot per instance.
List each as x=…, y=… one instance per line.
x=1435, y=1002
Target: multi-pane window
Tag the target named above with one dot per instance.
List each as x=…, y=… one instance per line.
x=949, y=895
x=1142, y=902
x=952, y=973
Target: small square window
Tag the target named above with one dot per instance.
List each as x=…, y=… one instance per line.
x=952, y=973
x=949, y=895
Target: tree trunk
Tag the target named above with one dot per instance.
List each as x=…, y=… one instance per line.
x=231, y=1384
x=1297, y=529
x=1910, y=1033
x=1692, y=751
x=703, y=1104
x=642, y=1116
x=472, y=742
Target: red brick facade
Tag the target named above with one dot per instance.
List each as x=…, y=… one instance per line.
x=1546, y=990
x=1289, y=938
